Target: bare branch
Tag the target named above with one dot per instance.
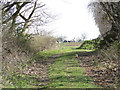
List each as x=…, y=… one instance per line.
x=23, y=17
x=26, y=9
x=32, y=11
x=16, y=13
x=10, y=6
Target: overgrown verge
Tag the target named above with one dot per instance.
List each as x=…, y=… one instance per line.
x=103, y=65
x=19, y=47
x=103, y=71
x=106, y=17
x=18, y=52
x=90, y=44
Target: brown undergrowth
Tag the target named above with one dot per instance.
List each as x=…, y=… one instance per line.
x=39, y=68
x=103, y=72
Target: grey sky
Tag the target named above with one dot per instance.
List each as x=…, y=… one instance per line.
x=74, y=18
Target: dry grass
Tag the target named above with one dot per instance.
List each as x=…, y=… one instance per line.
x=40, y=43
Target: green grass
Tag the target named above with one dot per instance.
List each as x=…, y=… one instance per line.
x=62, y=50
x=65, y=73
x=17, y=80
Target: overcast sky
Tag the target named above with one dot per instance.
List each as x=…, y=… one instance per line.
x=73, y=19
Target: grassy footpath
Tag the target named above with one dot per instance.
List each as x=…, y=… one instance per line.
x=65, y=72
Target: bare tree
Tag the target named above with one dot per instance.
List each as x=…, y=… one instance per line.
x=83, y=36
x=61, y=38
x=24, y=14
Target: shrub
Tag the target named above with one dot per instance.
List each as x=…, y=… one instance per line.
x=40, y=43
x=90, y=44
